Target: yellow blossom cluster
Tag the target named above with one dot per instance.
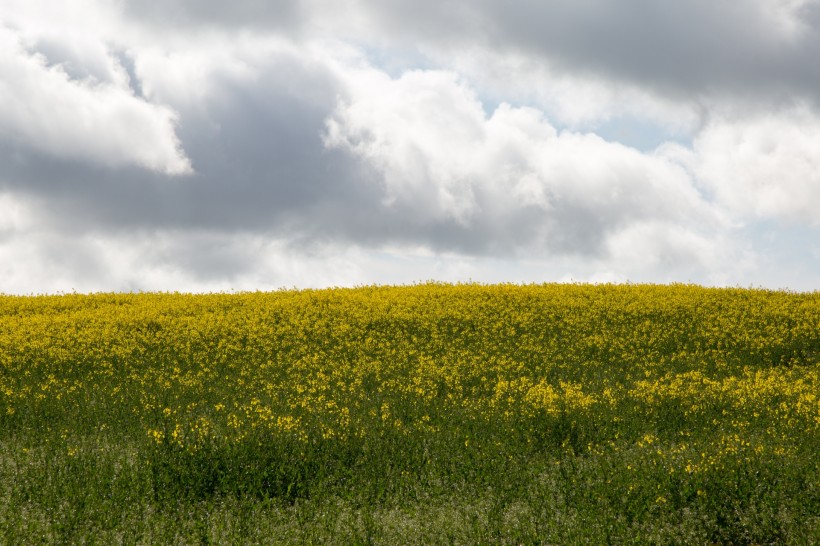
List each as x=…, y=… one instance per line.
x=344, y=364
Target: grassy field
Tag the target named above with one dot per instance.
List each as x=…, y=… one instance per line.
x=466, y=414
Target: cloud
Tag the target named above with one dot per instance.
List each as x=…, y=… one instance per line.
x=15, y=215
x=44, y=261
x=356, y=141
x=254, y=133
x=269, y=14
x=509, y=183
x=90, y=120
x=763, y=165
x=571, y=99
x=666, y=251
x=673, y=48
x=363, y=162
x=201, y=261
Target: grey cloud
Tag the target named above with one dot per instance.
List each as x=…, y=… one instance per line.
x=260, y=163
x=699, y=47
x=677, y=48
x=177, y=14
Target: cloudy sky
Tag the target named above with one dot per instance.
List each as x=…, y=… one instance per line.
x=204, y=145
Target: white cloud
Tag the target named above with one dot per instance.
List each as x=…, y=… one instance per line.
x=186, y=77
x=579, y=100
x=15, y=215
x=760, y=165
x=416, y=132
x=40, y=261
x=85, y=17
x=786, y=16
x=84, y=58
x=510, y=177
x=48, y=262
x=668, y=252
x=103, y=122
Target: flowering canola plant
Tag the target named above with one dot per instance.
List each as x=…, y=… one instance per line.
x=681, y=378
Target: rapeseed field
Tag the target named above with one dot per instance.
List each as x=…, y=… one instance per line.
x=425, y=414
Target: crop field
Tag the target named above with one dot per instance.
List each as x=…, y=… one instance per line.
x=425, y=414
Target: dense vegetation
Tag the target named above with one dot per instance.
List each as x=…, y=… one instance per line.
x=426, y=414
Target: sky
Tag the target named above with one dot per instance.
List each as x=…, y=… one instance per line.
x=211, y=146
